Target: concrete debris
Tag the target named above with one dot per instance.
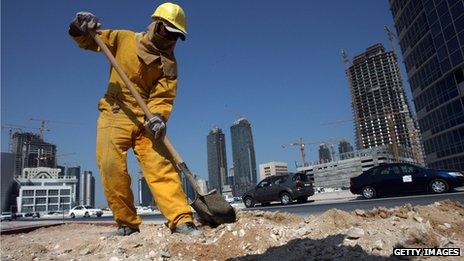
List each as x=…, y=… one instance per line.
x=418, y=219
x=360, y=212
x=355, y=233
x=257, y=235
x=378, y=245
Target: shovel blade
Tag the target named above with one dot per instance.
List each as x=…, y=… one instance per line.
x=213, y=209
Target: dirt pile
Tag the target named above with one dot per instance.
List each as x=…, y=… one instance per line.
x=257, y=235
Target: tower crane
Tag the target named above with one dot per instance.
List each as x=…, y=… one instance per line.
x=42, y=128
x=300, y=143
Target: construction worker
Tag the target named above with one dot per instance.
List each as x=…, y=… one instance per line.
x=148, y=60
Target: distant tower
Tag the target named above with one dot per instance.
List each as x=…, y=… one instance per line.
x=217, y=160
x=75, y=172
x=88, y=187
x=344, y=147
x=324, y=153
x=243, y=154
x=145, y=196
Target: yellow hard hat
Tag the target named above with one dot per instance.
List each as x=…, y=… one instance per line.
x=173, y=14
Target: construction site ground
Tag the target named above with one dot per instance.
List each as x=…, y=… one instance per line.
x=257, y=235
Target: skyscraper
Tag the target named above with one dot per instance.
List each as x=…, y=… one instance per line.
x=381, y=112
x=344, y=147
x=217, y=161
x=431, y=36
x=32, y=151
x=243, y=154
x=324, y=153
x=76, y=173
x=145, y=196
x=9, y=188
x=87, y=188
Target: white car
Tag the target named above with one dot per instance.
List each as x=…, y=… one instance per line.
x=85, y=211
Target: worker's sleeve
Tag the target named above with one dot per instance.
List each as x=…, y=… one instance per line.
x=109, y=37
x=162, y=96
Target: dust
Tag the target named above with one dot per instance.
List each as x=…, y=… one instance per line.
x=257, y=235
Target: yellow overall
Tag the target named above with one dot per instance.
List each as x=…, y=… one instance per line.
x=120, y=127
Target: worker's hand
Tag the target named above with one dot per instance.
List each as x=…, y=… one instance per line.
x=157, y=125
x=85, y=21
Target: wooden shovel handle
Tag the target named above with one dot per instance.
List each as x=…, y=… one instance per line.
x=177, y=158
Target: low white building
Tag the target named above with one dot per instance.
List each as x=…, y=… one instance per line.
x=44, y=189
x=272, y=169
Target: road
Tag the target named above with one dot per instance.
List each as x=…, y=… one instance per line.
x=312, y=208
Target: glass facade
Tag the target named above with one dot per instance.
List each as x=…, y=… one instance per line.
x=431, y=35
x=243, y=154
x=217, y=161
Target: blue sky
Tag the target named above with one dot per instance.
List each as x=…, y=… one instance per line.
x=276, y=63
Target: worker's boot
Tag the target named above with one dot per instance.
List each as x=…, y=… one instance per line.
x=188, y=229
x=126, y=231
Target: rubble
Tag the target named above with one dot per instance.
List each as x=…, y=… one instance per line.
x=257, y=235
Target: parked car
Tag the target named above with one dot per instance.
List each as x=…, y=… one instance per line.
x=283, y=188
x=6, y=216
x=404, y=178
x=32, y=214
x=85, y=211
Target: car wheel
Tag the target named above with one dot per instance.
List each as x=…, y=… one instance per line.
x=86, y=214
x=439, y=186
x=249, y=202
x=368, y=192
x=99, y=215
x=72, y=215
x=285, y=198
x=302, y=200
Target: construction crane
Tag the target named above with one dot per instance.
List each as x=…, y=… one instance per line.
x=300, y=143
x=348, y=64
x=42, y=128
x=391, y=36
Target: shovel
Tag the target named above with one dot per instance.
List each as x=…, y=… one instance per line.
x=211, y=207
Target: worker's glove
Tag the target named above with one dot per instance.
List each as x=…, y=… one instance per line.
x=157, y=125
x=83, y=22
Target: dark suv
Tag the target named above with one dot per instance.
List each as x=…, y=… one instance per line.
x=286, y=188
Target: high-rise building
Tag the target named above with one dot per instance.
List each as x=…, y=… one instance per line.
x=272, y=169
x=32, y=151
x=75, y=172
x=87, y=193
x=381, y=111
x=217, y=161
x=243, y=154
x=324, y=153
x=9, y=188
x=431, y=36
x=343, y=147
x=188, y=190
x=145, y=196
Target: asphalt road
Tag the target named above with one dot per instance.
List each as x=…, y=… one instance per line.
x=350, y=205
x=313, y=208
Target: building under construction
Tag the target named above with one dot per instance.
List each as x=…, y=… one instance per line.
x=381, y=111
x=32, y=151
